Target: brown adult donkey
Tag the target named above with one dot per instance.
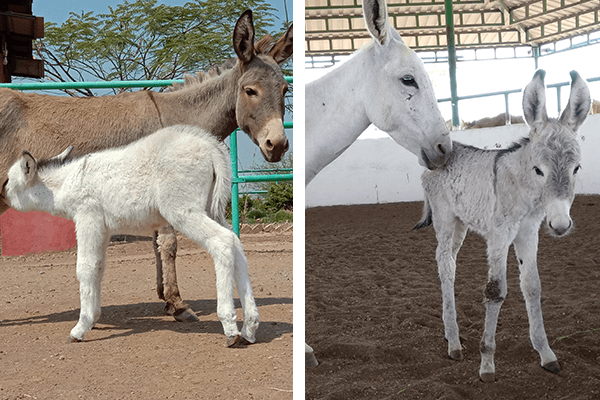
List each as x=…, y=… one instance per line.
x=250, y=95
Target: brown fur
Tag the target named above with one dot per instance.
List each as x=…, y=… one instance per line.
x=595, y=107
x=498, y=120
x=45, y=125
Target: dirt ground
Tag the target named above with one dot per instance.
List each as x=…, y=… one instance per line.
x=373, y=305
x=135, y=351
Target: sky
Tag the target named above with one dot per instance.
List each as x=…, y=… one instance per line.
x=58, y=12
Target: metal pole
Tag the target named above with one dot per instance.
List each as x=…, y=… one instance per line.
x=507, y=110
x=536, y=56
x=452, y=61
x=97, y=85
x=235, y=192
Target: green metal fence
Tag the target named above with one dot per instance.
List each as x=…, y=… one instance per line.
x=506, y=93
x=236, y=178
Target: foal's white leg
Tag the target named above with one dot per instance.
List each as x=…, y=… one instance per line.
x=242, y=282
x=92, y=241
x=450, y=233
x=526, y=245
x=494, y=295
x=220, y=242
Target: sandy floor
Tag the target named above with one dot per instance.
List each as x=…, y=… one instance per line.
x=373, y=305
x=136, y=352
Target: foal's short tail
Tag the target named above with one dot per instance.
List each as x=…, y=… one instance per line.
x=426, y=219
x=221, y=187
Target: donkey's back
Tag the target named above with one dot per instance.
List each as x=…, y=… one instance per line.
x=171, y=171
x=466, y=184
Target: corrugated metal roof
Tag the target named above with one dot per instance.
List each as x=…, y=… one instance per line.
x=336, y=27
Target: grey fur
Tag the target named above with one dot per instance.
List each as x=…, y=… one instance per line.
x=504, y=195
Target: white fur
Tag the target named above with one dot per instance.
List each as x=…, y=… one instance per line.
x=179, y=175
x=368, y=89
x=504, y=196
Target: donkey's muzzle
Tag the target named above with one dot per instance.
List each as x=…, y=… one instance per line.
x=273, y=142
x=437, y=156
x=560, y=229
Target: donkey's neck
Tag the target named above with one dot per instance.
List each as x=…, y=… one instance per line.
x=335, y=113
x=210, y=105
x=512, y=175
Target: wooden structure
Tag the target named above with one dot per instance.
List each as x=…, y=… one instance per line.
x=18, y=28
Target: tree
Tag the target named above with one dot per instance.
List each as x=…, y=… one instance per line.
x=143, y=40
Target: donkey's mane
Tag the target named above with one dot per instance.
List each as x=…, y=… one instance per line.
x=201, y=77
x=48, y=163
x=262, y=46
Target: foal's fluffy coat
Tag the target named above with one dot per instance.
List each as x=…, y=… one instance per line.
x=504, y=196
x=179, y=175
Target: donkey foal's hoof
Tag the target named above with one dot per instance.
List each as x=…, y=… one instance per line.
x=456, y=355
x=233, y=341
x=74, y=340
x=553, y=367
x=487, y=377
x=310, y=360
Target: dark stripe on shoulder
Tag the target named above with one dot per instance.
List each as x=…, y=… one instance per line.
x=501, y=153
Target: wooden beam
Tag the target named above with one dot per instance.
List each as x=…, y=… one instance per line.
x=26, y=67
x=22, y=24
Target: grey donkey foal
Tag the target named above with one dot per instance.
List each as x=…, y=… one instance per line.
x=504, y=195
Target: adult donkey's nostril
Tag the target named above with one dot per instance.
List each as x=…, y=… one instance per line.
x=441, y=148
x=269, y=145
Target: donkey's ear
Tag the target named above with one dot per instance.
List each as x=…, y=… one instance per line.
x=62, y=156
x=243, y=37
x=534, y=99
x=284, y=47
x=376, y=16
x=579, y=103
x=28, y=166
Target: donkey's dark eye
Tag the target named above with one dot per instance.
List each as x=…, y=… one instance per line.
x=538, y=171
x=577, y=168
x=409, y=80
x=251, y=92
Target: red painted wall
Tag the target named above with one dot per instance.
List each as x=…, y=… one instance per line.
x=36, y=232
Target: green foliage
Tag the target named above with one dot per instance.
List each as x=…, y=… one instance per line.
x=280, y=196
x=276, y=205
x=144, y=40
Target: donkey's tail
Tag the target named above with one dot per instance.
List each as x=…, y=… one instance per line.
x=221, y=187
x=426, y=220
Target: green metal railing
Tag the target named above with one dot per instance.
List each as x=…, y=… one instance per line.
x=506, y=93
x=236, y=179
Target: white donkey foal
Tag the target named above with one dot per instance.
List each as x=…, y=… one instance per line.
x=179, y=175
x=504, y=195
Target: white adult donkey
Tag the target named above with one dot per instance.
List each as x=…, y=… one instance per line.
x=504, y=195
x=384, y=84
x=179, y=175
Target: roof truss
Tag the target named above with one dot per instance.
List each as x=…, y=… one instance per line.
x=336, y=27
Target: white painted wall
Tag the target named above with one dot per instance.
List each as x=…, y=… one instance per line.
x=377, y=170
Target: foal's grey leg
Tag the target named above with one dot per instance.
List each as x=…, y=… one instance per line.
x=526, y=245
x=494, y=295
x=450, y=233
x=165, y=249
